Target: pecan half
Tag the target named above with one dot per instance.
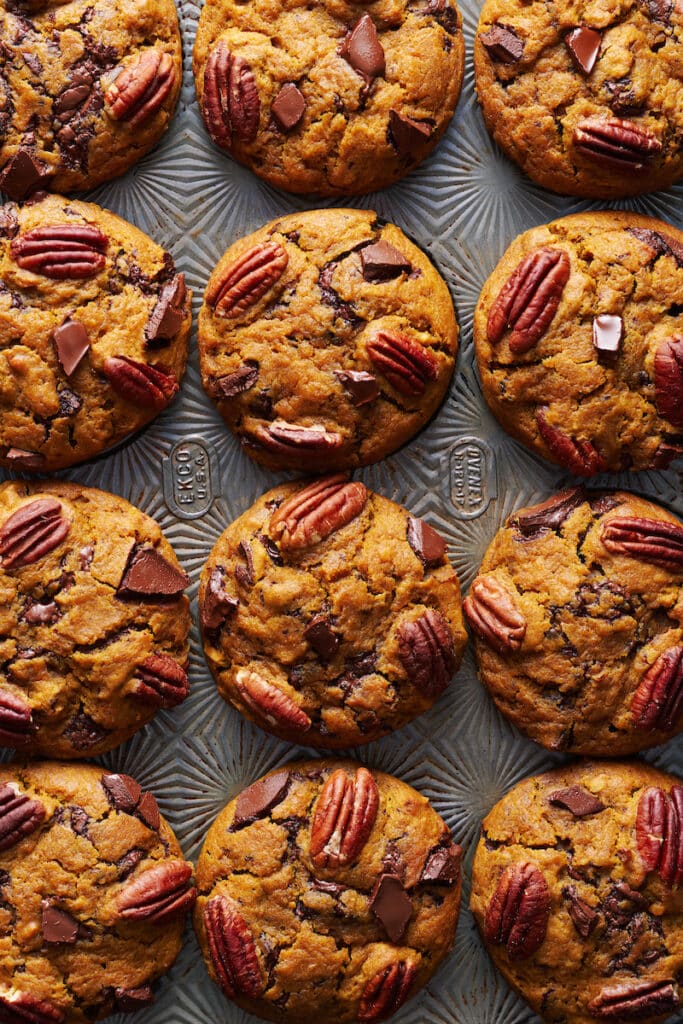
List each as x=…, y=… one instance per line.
x=657, y=702
x=344, y=818
x=247, y=280
x=230, y=102
x=648, y=540
x=405, y=363
x=616, y=142
x=32, y=532
x=386, y=991
x=232, y=949
x=669, y=379
x=22, y=1008
x=158, y=893
x=529, y=299
x=16, y=720
x=580, y=457
x=308, y=447
x=659, y=832
x=517, y=916
x=635, y=1001
x=491, y=612
x=317, y=511
x=270, y=702
x=161, y=681
x=141, y=87
x=61, y=251
x=140, y=383
x=427, y=652
x=19, y=815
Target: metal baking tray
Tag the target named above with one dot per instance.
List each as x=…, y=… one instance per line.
x=464, y=205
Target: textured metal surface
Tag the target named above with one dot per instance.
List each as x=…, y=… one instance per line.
x=464, y=205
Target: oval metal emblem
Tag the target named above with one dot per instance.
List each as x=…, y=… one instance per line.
x=190, y=478
x=473, y=477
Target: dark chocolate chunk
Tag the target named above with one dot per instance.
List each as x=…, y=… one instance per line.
x=41, y=614
x=427, y=544
x=260, y=798
x=218, y=604
x=442, y=865
x=122, y=791
x=288, y=107
x=9, y=225
x=168, y=314
x=58, y=926
x=602, y=501
x=363, y=50
x=236, y=383
x=128, y=863
x=20, y=459
x=331, y=888
x=148, y=574
x=442, y=12
x=661, y=10
x=382, y=262
x=71, y=344
x=319, y=634
x=407, y=135
x=661, y=245
x=503, y=43
x=22, y=175
x=130, y=1000
x=148, y=811
x=577, y=800
x=69, y=402
x=71, y=98
x=272, y=549
x=83, y=732
x=246, y=574
x=360, y=386
x=392, y=906
x=607, y=334
x=583, y=44
x=550, y=515
x=582, y=914
x=85, y=557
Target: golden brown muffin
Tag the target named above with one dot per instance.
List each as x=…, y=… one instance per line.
x=93, y=892
x=348, y=909
x=326, y=339
x=579, y=342
x=584, y=96
x=330, y=615
x=333, y=98
x=93, y=620
x=578, y=619
x=576, y=889
x=94, y=330
x=87, y=87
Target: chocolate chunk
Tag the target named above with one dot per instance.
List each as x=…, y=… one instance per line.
x=122, y=791
x=661, y=245
x=148, y=811
x=235, y=383
x=577, y=800
x=583, y=44
x=442, y=865
x=9, y=225
x=392, y=906
x=331, y=888
x=427, y=544
x=319, y=634
x=607, y=334
x=503, y=44
x=69, y=402
x=442, y=12
x=382, y=262
x=582, y=914
x=288, y=107
x=22, y=175
x=272, y=549
x=256, y=801
x=128, y=863
x=83, y=732
x=20, y=459
x=85, y=557
x=148, y=574
x=661, y=10
x=168, y=314
x=601, y=502
x=406, y=135
x=363, y=50
x=41, y=614
x=218, y=604
x=130, y=1000
x=245, y=574
x=58, y=926
x=392, y=861
x=71, y=343
x=71, y=98
x=550, y=515
x=361, y=387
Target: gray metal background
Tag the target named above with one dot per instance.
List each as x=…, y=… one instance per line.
x=464, y=205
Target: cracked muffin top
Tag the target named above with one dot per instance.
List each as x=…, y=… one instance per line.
x=576, y=889
x=577, y=612
x=93, y=621
x=327, y=340
x=94, y=329
x=93, y=892
x=86, y=89
x=586, y=95
x=579, y=342
x=334, y=98
x=330, y=615
x=350, y=906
